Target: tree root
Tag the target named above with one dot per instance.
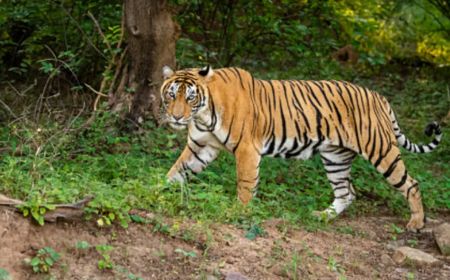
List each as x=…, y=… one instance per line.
x=72, y=211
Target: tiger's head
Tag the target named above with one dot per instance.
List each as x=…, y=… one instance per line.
x=184, y=94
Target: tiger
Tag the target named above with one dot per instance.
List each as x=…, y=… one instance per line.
x=229, y=109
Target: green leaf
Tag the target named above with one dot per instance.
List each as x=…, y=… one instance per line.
x=35, y=261
x=137, y=219
x=25, y=212
x=49, y=261
x=82, y=245
x=111, y=216
x=191, y=254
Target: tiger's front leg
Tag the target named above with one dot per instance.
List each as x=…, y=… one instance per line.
x=247, y=165
x=194, y=158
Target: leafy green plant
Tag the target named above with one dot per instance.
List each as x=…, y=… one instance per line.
x=44, y=260
x=105, y=261
x=36, y=210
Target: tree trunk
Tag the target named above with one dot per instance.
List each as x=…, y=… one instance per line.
x=151, y=35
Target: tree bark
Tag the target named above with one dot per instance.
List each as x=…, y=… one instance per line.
x=151, y=35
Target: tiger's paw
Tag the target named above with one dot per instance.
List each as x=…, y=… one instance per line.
x=415, y=224
x=174, y=178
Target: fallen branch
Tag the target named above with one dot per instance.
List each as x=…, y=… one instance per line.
x=70, y=211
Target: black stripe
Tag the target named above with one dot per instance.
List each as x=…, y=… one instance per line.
x=342, y=196
x=402, y=181
x=311, y=93
x=273, y=94
x=336, y=170
x=337, y=113
x=229, y=131
x=286, y=97
x=221, y=75
x=421, y=149
x=283, y=126
x=307, y=141
x=409, y=189
x=196, y=155
x=240, y=138
x=195, y=142
x=321, y=89
x=340, y=188
x=225, y=72
x=392, y=167
x=239, y=75
x=248, y=181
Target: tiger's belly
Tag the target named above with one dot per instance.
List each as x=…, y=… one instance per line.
x=293, y=148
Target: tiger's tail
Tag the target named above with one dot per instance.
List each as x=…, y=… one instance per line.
x=430, y=129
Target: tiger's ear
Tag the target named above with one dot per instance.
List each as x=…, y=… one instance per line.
x=167, y=72
x=206, y=72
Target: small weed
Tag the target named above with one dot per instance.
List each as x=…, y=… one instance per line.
x=82, y=245
x=277, y=250
x=82, y=248
x=44, y=260
x=190, y=254
x=410, y=276
x=395, y=230
x=333, y=265
x=122, y=270
x=188, y=235
x=412, y=242
x=293, y=266
x=254, y=231
x=159, y=226
x=347, y=230
x=105, y=262
x=160, y=253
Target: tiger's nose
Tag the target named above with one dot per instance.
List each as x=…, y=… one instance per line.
x=177, y=118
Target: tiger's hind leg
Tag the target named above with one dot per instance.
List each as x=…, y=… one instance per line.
x=393, y=169
x=338, y=162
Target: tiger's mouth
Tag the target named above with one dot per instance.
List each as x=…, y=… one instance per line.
x=178, y=125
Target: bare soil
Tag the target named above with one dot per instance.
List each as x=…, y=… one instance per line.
x=350, y=248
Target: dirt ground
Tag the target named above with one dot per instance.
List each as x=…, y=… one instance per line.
x=351, y=248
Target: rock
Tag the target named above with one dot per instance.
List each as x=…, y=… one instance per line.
x=413, y=256
x=442, y=237
x=432, y=221
x=235, y=276
x=385, y=259
x=211, y=277
x=394, y=244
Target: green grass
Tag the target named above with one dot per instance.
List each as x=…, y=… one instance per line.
x=47, y=165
